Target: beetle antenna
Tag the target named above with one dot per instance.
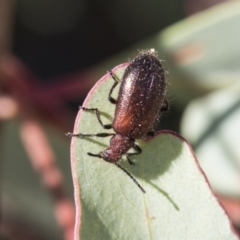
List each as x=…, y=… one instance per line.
x=134, y=180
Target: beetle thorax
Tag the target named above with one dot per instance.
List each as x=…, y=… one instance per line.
x=119, y=145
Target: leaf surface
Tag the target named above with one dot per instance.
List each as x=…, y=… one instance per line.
x=178, y=203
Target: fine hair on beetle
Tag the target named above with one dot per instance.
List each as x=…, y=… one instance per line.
x=141, y=101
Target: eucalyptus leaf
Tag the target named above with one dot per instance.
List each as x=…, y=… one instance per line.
x=178, y=203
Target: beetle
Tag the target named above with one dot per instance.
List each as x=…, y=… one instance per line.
x=141, y=101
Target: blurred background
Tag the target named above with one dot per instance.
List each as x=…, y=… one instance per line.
x=53, y=52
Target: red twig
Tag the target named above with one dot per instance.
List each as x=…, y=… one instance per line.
x=44, y=163
x=34, y=100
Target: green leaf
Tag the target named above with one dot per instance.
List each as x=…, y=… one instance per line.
x=178, y=203
x=211, y=123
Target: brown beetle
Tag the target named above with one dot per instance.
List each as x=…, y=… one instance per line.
x=141, y=100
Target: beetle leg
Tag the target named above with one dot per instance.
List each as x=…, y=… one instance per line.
x=90, y=135
x=94, y=155
x=114, y=77
x=164, y=106
x=138, y=149
x=151, y=133
x=105, y=126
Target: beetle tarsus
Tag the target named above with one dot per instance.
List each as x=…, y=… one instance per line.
x=105, y=126
x=130, y=162
x=151, y=133
x=165, y=106
x=90, y=135
x=114, y=77
x=136, y=148
x=94, y=155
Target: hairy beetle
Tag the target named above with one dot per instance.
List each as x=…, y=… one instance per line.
x=141, y=100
